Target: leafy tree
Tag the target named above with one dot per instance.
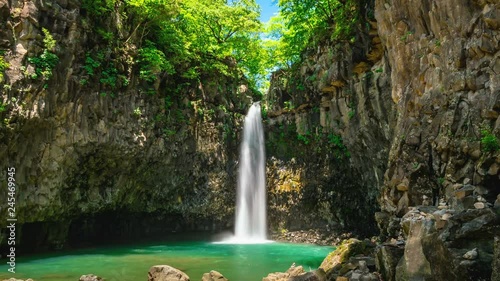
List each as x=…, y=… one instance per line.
x=301, y=23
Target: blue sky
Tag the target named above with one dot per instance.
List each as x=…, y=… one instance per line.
x=268, y=8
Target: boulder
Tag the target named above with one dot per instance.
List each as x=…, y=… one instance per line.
x=316, y=275
x=386, y=259
x=90, y=277
x=213, y=276
x=347, y=249
x=166, y=273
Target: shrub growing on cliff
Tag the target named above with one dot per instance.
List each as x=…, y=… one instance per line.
x=3, y=66
x=302, y=22
x=152, y=62
x=98, y=7
x=489, y=142
x=45, y=62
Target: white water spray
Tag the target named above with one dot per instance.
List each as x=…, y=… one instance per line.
x=251, y=225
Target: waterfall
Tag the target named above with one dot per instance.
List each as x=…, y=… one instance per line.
x=251, y=203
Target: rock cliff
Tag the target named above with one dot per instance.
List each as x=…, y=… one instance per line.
x=397, y=129
x=99, y=159
x=415, y=101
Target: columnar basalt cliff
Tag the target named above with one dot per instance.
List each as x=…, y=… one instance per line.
x=396, y=130
x=96, y=161
x=416, y=103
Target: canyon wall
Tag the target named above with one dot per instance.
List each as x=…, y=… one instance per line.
x=95, y=161
x=394, y=132
x=415, y=100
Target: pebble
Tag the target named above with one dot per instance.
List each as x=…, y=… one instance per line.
x=479, y=205
x=471, y=255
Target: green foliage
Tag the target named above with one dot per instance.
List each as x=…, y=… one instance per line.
x=2, y=107
x=45, y=63
x=97, y=66
x=98, y=8
x=288, y=105
x=137, y=112
x=404, y=38
x=48, y=41
x=441, y=180
x=301, y=23
x=91, y=64
x=109, y=77
x=3, y=66
x=152, y=62
x=106, y=35
x=489, y=142
x=305, y=138
x=351, y=113
x=264, y=112
x=337, y=144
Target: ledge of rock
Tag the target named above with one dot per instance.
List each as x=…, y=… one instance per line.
x=166, y=273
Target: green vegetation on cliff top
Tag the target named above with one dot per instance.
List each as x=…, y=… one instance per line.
x=190, y=37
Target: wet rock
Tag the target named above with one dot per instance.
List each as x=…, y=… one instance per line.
x=166, y=273
x=213, y=276
x=316, y=275
x=293, y=271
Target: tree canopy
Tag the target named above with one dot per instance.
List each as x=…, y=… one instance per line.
x=189, y=37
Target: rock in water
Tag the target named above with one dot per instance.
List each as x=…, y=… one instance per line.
x=213, y=276
x=497, y=202
x=166, y=273
x=90, y=277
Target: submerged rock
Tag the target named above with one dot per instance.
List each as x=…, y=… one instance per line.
x=166, y=273
x=90, y=277
x=213, y=276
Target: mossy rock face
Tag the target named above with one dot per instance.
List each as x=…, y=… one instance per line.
x=342, y=253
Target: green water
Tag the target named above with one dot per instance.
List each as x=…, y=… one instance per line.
x=132, y=262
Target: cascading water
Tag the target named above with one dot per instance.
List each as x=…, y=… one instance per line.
x=251, y=204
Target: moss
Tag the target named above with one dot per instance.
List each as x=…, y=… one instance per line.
x=342, y=253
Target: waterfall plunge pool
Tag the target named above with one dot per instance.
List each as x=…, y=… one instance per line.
x=237, y=262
